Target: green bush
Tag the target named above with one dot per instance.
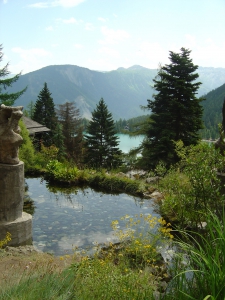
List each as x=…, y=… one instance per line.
x=192, y=187
x=26, y=151
x=61, y=171
x=113, y=183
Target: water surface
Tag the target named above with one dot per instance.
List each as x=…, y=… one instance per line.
x=77, y=217
x=126, y=143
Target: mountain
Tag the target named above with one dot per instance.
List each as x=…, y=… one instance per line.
x=124, y=90
x=212, y=114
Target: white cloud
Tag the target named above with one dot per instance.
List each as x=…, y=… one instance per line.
x=70, y=21
x=5, y=1
x=101, y=64
x=190, y=41
x=113, y=36
x=152, y=54
x=49, y=28
x=109, y=52
x=89, y=26
x=30, y=52
x=78, y=46
x=39, y=5
x=203, y=52
x=63, y=3
x=209, y=54
x=102, y=19
x=30, y=59
x=67, y=3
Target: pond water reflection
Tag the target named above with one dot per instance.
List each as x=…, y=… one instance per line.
x=66, y=218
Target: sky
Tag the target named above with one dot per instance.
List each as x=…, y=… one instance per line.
x=107, y=34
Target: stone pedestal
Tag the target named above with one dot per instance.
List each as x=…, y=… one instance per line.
x=12, y=217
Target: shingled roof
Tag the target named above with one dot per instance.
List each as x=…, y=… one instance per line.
x=34, y=127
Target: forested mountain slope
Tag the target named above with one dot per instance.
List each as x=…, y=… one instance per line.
x=123, y=90
x=212, y=114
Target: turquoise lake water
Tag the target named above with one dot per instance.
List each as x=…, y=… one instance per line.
x=127, y=142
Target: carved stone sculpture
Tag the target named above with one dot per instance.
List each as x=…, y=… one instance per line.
x=12, y=217
x=10, y=139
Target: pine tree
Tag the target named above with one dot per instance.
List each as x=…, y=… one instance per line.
x=176, y=111
x=29, y=111
x=44, y=113
x=6, y=98
x=59, y=141
x=69, y=118
x=101, y=140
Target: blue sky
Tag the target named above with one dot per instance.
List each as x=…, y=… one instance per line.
x=107, y=34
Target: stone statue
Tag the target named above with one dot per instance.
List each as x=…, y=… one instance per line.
x=10, y=139
x=220, y=143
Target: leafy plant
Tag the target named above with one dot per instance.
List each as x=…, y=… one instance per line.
x=202, y=276
x=62, y=172
x=193, y=186
x=5, y=240
x=26, y=151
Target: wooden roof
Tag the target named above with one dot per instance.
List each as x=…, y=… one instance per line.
x=34, y=127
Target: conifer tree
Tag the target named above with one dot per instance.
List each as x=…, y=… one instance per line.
x=58, y=139
x=44, y=113
x=72, y=130
x=101, y=140
x=176, y=110
x=5, y=97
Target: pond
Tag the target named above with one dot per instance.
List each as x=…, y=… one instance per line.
x=77, y=217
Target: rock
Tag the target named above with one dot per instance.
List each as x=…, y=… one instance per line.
x=151, y=189
x=21, y=250
x=135, y=174
x=156, y=195
x=121, y=174
x=147, y=196
x=154, y=179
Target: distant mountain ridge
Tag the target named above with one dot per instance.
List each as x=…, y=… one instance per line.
x=124, y=90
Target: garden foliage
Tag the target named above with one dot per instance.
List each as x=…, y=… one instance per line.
x=192, y=187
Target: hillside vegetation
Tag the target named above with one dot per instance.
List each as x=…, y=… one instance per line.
x=212, y=114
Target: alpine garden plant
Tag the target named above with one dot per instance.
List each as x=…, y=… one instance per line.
x=192, y=187
x=199, y=268
x=61, y=171
x=131, y=268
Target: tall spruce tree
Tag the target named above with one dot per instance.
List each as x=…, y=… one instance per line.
x=176, y=111
x=44, y=113
x=101, y=140
x=58, y=139
x=69, y=118
x=5, y=97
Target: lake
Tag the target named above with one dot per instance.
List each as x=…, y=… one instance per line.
x=127, y=142
x=78, y=217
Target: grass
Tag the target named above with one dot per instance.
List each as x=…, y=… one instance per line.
x=63, y=173
x=43, y=282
